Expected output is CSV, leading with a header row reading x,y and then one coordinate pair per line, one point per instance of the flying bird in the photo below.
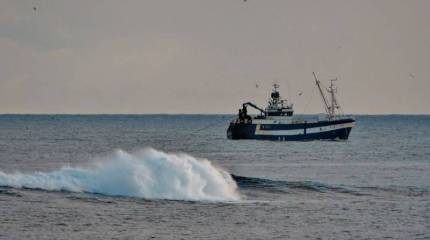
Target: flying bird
x,y
34,8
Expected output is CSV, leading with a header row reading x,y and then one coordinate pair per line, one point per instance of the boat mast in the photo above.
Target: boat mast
x,y
332,90
326,105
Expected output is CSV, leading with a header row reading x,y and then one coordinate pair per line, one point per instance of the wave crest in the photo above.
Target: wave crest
x,y
147,174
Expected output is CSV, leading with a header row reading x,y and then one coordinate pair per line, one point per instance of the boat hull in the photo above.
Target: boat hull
x,y
322,130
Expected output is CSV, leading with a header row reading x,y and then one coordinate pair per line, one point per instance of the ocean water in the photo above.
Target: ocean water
x,y
178,177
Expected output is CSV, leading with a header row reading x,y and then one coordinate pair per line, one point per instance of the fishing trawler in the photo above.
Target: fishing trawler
x,y
276,121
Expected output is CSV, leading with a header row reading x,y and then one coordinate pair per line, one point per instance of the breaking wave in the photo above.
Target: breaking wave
x,y
147,174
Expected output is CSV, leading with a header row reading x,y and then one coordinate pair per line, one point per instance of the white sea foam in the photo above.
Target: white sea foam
x,y
148,174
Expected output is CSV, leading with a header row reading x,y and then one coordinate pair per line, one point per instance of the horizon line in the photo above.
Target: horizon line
x,y
92,114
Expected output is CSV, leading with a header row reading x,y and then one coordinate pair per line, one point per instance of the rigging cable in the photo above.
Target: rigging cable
x,y
191,134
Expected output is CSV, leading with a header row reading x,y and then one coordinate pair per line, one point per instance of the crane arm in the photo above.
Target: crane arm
x,y
326,105
254,106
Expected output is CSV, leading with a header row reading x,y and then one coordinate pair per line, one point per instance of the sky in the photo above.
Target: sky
x,y
208,56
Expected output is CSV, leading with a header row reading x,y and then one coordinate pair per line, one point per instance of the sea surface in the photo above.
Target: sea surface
x,y
178,177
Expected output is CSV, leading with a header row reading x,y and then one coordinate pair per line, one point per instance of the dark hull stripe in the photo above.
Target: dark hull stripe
x,y
276,126
248,131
